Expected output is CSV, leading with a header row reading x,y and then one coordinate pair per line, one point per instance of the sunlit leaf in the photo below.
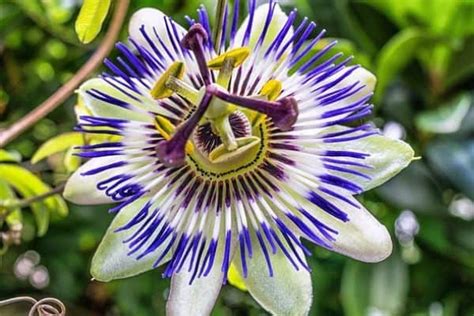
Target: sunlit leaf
x,y
28,185
90,19
58,144
9,156
71,161
446,119
7,194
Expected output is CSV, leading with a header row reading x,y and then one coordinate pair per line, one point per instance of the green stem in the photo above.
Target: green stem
x,y
3,250
10,205
224,129
220,11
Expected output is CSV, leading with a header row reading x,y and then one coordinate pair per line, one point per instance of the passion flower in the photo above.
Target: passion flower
x,y
226,160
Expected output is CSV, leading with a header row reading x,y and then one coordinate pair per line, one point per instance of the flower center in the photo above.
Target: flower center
x,y
207,138
223,125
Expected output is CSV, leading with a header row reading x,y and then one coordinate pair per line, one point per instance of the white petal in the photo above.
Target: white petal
x,y
151,19
111,261
83,189
137,111
362,237
364,77
276,24
364,80
287,292
387,158
199,297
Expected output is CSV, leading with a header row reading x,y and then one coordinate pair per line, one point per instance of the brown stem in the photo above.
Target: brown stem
x,y
26,202
68,88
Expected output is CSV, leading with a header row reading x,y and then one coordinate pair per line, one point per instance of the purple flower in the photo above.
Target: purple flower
x,y
225,161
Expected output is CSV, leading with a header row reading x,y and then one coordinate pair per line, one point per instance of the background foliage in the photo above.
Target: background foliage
x,y
422,53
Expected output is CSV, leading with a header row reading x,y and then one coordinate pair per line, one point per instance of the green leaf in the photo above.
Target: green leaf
x,y
90,19
7,194
382,286
389,286
446,119
395,55
461,65
9,156
28,185
355,298
354,27
414,189
71,161
58,144
455,161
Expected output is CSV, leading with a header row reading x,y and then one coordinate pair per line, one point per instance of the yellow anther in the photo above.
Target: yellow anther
x,y
161,90
272,89
237,56
166,128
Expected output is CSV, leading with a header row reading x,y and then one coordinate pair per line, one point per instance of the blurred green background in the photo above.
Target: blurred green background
x,y
422,52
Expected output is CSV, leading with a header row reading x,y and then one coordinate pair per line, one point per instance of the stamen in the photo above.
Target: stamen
x,y
237,55
272,89
283,112
226,63
183,89
194,40
172,152
160,90
166,128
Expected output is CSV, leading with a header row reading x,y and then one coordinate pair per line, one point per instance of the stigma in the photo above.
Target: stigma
x,y
220,119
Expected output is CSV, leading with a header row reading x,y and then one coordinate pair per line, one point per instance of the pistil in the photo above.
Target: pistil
x,y
283,112
224,130
226,63
172,153
194,40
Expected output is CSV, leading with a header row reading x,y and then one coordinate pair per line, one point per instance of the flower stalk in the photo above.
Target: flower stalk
x,y
68,88
220,15
13,204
